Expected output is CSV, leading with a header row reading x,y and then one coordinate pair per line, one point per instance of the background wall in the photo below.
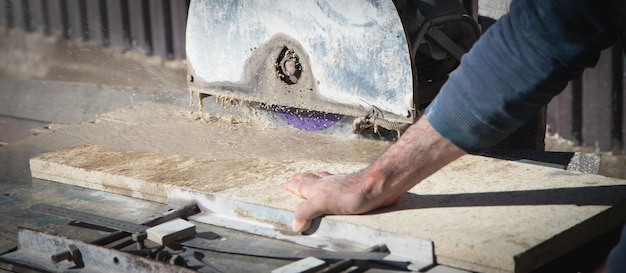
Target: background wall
x,y
152,26
590,111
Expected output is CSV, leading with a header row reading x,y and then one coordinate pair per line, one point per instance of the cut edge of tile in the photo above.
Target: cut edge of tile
x,y
60,173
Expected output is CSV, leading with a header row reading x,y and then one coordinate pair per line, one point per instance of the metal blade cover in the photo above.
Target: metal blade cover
x,y
322,55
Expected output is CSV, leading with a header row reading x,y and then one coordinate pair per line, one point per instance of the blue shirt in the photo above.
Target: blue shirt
x,y
527,57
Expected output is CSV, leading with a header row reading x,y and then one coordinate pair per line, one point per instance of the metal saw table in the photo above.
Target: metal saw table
x,y
482,208
20,191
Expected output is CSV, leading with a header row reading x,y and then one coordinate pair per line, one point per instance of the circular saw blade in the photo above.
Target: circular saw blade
x,y
306,119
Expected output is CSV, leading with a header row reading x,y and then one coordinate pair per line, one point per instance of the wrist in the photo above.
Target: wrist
x,y
380,183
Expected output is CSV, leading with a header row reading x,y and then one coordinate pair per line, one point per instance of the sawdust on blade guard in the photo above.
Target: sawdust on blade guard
x,y
306,119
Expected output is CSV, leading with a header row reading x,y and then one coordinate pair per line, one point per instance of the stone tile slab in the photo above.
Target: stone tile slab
x,y
482,214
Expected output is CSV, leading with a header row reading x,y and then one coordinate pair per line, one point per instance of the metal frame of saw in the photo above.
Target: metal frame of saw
x,y
328,56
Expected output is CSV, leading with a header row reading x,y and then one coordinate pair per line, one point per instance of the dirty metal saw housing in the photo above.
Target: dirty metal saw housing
x,y
330,56
321,56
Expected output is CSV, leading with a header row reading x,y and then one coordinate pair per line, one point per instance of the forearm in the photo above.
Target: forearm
x,y
418,153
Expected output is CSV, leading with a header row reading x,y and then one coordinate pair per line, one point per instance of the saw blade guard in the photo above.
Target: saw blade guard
x,y
342,57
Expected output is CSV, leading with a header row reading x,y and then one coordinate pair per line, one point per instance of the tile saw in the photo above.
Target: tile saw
x,y
429,60
315,64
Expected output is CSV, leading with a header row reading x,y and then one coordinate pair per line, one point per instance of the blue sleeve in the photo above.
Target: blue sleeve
x,y
616,262
516,67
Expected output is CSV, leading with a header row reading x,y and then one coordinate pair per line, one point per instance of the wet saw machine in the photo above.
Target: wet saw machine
x,y
339,67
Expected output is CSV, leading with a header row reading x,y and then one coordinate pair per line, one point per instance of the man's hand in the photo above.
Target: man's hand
x,y
417,154
326,193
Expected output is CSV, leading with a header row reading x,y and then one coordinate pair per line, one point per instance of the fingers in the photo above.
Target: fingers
x,y
322,174
303,185
315,175
299,184
304,214
300,225
295,187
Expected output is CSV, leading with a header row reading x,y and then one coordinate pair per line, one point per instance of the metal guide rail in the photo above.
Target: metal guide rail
x,y
126,249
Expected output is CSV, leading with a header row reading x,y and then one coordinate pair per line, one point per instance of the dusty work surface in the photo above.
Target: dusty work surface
x,y
482,214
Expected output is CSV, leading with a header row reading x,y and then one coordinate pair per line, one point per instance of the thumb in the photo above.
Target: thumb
x,y
304,214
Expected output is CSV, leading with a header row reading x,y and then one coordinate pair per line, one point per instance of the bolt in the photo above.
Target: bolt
x,y
72,255
290,67
61,256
